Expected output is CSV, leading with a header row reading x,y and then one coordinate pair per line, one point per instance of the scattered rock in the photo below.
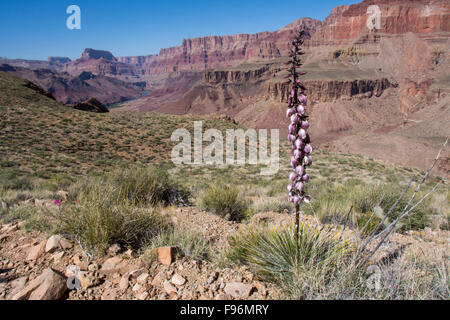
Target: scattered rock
x,y
17,285
178,280
143,296
114,250
72,270
238,290
169,288
50,285
137,287
87,279
93,267
143,278
223,297
136,273
12,228
53,243
36,252
113,265
65,244
109,294
159,279
166,255
124,282
58,256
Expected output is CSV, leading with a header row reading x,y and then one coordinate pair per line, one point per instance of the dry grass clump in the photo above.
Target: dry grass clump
x,y
224,201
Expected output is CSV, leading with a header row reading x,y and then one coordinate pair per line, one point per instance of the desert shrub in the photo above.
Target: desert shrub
x,y
97,220
139,186
276,255
147,186
410,278
224,201
279,206
332,203
366,199
32,218
192,243
15,180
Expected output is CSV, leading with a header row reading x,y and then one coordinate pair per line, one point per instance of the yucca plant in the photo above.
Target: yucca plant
x,y
283,254
298,136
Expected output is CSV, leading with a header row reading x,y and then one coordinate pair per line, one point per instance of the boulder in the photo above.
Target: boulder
x,y
53,243
167,255
36,252
50,285
238,290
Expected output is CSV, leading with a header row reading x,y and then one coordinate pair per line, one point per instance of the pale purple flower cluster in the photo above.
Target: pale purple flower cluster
x,y
298,129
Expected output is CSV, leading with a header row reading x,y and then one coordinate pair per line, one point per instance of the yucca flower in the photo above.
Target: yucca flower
x,y
298,129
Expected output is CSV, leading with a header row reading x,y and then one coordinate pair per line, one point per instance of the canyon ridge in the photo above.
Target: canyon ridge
x,y
382,93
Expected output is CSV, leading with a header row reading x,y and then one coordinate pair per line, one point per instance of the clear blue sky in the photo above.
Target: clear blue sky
x,y
36,29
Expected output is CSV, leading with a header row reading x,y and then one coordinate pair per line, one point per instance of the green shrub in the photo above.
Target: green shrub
x,y
139,186
97,220
224,201
193,244
149,186
331,204
365,200
118,208
276,255
279,206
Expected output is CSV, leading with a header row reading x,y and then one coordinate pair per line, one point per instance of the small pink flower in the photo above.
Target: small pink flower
x,y
294,162
289,113
302,133
301,110
308,149
303,100
300,170
307,160
57,202
298,154
300,186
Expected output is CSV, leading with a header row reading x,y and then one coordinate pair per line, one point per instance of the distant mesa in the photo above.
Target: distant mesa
x,y
91,54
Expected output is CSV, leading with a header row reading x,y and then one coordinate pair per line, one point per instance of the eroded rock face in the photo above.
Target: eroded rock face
x,y
331,90
348,24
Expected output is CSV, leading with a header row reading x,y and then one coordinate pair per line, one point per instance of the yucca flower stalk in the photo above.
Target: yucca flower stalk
x,y
298,129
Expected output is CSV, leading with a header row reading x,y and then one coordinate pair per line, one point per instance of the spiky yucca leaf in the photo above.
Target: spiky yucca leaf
x,y
275,254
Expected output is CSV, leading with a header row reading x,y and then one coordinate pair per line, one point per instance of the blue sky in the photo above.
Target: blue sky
x,y
36,29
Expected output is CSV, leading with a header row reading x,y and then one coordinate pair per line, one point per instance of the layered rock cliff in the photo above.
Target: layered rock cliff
x,y
332,90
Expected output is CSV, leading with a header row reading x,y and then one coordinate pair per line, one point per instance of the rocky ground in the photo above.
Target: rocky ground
x,y
33,266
